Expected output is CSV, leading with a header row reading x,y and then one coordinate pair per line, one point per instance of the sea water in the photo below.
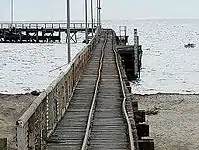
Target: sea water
x,y
167,66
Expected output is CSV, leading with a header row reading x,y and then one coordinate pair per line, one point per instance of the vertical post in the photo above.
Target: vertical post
x,y
21,136
12,12
59,33
99,13
92,21
86,21
125,31
136,69
3,143
68,30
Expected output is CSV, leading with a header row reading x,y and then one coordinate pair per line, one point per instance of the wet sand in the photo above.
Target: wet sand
x,y
176,124
11,108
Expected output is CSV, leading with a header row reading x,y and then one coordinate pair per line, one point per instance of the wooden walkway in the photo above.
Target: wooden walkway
x,y
88,107
108,130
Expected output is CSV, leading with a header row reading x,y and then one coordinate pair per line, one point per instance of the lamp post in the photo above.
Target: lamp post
x,y
92,16
12,12
99,13
86,21
68,30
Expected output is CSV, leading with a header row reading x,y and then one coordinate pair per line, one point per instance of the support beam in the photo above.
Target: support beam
x,y
73,37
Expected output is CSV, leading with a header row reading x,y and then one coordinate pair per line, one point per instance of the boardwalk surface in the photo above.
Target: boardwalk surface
x,y
109,127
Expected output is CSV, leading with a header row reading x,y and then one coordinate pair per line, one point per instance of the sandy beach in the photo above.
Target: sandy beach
x,y
11,108
176,124
174,127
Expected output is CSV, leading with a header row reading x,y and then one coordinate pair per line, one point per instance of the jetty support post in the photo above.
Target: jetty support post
x,y
135,63
3,144
144,140
137,55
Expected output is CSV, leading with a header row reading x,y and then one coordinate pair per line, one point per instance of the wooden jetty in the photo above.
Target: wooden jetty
x,y
87,107
131,55
40,32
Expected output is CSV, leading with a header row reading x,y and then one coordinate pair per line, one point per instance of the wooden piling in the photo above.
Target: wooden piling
x,y
135,56
43,34
59,33
3,144
37,36
146,144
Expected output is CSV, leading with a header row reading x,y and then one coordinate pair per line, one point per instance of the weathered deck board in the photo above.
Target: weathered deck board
x,y
109,127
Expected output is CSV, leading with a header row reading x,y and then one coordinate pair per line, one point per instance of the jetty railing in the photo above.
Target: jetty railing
x,y
45,25
40,119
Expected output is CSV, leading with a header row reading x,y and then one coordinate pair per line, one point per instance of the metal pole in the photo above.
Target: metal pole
x,y
12,12
100,14
68,30
92,16
86,21
97,13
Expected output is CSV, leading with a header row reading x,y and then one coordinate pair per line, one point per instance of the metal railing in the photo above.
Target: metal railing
x,y
41,118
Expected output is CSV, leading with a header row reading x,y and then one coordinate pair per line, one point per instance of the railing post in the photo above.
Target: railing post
x,y
31,131
21,136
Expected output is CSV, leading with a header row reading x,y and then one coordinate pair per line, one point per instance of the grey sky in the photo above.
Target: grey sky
x,y
44,10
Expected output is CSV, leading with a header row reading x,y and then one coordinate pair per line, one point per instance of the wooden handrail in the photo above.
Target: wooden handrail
x,y
40,119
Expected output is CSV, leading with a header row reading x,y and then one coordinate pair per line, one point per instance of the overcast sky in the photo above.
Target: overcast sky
x,y
45,10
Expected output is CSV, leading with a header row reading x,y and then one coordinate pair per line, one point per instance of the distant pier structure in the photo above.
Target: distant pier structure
x,y
131,55
41,32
